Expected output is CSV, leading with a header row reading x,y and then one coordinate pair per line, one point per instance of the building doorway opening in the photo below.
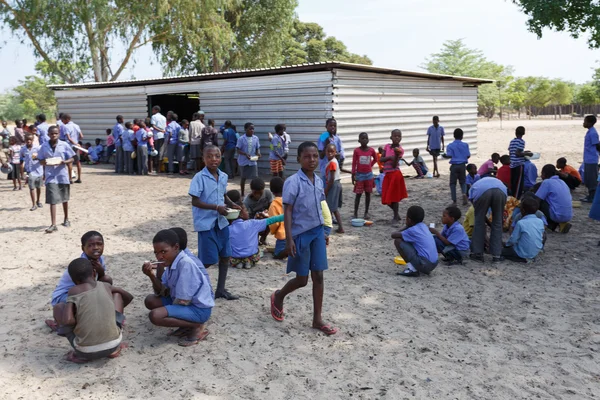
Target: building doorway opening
x,y
182,104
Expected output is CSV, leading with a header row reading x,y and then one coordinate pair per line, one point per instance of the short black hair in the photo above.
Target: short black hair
x,y
304,146
505,159
108,130
561,161
436,117
257,184
234,196
549,170
248,125
591,118
276,185
157,108
119,117
184,121
98,140
520,131
195,116
80,269
66,116
128,125
53,127
182,235
330,120
417,150
42,117
90,234
174,117
278,128
454,212
458,134
210,147
470,166
495,155
166,236
227,123
530,205
416,214
211,122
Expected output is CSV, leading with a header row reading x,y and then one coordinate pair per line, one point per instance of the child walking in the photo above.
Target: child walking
x,y
363,159
459,154
435,143
14,153
394,187
591,147
303,221
453,242
333,187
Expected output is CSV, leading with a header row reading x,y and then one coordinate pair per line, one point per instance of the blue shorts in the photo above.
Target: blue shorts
x,y
279,247
189,313
213,244
311,252
327,230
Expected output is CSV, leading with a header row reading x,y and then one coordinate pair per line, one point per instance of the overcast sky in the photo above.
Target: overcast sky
x,y
400,34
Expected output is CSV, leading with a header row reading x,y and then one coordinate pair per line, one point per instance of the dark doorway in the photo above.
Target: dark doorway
x,y
182,104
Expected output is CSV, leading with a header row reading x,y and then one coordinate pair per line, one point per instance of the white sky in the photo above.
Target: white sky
x,y
399,34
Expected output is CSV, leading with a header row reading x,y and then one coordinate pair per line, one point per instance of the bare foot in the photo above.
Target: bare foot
x,y
366,216
72,358
179,332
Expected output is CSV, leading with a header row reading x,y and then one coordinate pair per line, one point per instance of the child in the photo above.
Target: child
x,y
416,244
517,213
57,181
183,240
472,175
110,145
504,171
333,187
257,203
469,221
91,157
182,296
379,178
568,174
34,170
329,136
526,240
453,242
363,159
305,244
98,150
229,144
183,150
517,156
418,164
141,136
556,202
208,192
172,140
92,316
276,208
435,143
393,188
71,134
487,193
591,147
278,151
530,174
128,149
459,154
14,153
248,147
488,168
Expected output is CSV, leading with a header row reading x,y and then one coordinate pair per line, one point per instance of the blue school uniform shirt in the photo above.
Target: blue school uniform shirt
x,y
321,146
33,167
43,132
530,174
195,259
459,151
126,139
435,137
558,195
65,283
56,173
305,199
230,138
117,133
205,187
140,135
243,236
590,153
173,128
278,147
472,179
516,144
527,237
70,130
186,281
457,236
249,145
421,238
483,185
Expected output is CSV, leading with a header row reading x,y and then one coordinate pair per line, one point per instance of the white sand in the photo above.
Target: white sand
x,y
478,331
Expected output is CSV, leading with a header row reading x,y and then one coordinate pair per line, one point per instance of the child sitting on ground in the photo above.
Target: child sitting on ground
x,y
92,316
488,168
472,176
363,159
257,204
504,172
530,175
527,238
453,243
568,174
516,214
416,244
418,164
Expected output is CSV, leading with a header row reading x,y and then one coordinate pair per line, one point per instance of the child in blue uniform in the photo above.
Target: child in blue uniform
x,y
453,242
416,245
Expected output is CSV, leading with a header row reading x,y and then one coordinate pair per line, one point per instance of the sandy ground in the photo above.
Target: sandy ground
x,y
478,331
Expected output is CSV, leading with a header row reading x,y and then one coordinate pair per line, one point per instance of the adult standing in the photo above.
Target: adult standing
x,y
435,143
329,136
517,154
71,133
42,128
117,133
158,124
591,147
487,193
196,127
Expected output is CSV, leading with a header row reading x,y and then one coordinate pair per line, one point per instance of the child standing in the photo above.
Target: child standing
x,y
126,140
329,136
591,147
248,148
453,242
393,188
459,154
504,171
141,136
333,187
379,178
305,244
34,169
278,151
517,153
527,238
229,143
363,159
435,143
172,140
418,164
183,150
472,176
488,168
14,153
416,245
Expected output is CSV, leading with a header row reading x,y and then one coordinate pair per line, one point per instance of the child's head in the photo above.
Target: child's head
x,y
472,169
279,129
120,119
458,134
41,117
331,126
308,156
414,215
589,121
80,270
98,141
92,244
234,196
12,140
505,159
65,118
128,125
495,158
396,136
380,149
211,122
29,140
53,132
141,124
19,123
32,129
212,157
249,128
330,151
363,139
182,235
185,124
415,153
436,120
529,205
451,215
257,187
227,124
548,171
4,124
108,131
174,117
166,246
520,131
88,145
561,163
276,186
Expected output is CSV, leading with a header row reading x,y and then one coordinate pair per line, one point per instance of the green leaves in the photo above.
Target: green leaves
x,y
28,99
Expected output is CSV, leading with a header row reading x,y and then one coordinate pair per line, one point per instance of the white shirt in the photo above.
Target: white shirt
x,y
159,121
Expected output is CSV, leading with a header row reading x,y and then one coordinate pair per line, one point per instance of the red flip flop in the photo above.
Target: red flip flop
x,y
327,329
276,313
52,324
117,352
185,342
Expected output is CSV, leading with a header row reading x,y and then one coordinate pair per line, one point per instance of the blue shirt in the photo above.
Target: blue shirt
x,y
43,132
556,192
483,185
249,145
472,179
459,151
126,138
321,146
243,236
205,187
516,144
435,137
56,173
229,138
530,174
71,130
186,281
117,132
140,135
173,129
195,259
65,283
305,199
421,238
33,167
457,236
527,237
278,147
590,152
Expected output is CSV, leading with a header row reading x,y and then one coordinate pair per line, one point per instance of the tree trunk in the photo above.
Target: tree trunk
x,y
555,112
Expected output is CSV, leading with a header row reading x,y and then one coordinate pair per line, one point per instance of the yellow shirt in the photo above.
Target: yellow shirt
x,y
469,221
328,221
276,208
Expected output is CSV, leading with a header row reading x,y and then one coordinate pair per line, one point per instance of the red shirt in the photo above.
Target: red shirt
x,y
389,151
363,160
504,174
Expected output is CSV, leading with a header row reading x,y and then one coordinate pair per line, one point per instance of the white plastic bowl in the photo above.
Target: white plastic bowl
x,y
358,222
232,214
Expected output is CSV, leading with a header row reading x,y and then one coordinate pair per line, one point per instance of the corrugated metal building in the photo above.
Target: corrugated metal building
x,y
360,97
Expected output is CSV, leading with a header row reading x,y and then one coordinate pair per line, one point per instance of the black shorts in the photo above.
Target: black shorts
x,y
435,152
57,193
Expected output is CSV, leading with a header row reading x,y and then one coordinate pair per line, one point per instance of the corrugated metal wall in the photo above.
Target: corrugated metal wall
x,y
378,103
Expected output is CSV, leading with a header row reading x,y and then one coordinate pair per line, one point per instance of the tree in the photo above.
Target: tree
x,y
561,94
576,17
586,95
596,80
28,99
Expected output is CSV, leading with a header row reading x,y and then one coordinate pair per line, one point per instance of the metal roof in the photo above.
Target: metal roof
x,y
308,67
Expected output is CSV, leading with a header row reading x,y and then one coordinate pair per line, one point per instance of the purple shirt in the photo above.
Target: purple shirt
x,y
71,130
65,283
117,132
483,185
421,238
173,129
33,167
556,192
435,137
243,236
470,180
305,198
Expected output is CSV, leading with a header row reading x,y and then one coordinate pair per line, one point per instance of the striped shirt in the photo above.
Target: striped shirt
x,y
516,144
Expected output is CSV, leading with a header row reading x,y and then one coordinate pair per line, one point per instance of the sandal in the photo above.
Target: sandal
x,y
186,342
276,313
327,329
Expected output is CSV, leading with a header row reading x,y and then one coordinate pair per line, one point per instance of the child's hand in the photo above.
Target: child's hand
x,y
147,269
433,230
353,179
97,267
222,210
326,240
290,247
